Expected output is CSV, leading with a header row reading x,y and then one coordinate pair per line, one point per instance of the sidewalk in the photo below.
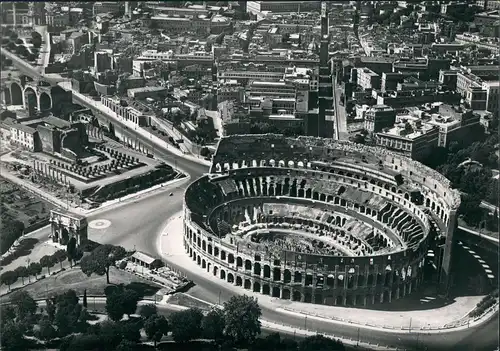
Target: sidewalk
x,y
170,244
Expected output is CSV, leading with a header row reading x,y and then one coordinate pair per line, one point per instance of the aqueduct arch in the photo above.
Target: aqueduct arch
x,y
45,102
16,94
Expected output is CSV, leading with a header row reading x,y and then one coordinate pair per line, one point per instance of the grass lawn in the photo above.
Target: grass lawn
x,y
182,299
95,285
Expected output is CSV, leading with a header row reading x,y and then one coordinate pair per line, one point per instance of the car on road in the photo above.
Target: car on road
x,y
171,194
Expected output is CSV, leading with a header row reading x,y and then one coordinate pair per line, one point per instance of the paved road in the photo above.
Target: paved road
x,y
340,115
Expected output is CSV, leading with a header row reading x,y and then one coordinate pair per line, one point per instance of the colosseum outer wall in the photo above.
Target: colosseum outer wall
x,y
314,278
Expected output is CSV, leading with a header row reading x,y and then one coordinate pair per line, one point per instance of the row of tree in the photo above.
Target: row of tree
x,y
98,262
33,269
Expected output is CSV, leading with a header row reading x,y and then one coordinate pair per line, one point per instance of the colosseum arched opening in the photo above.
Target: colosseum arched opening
x,y
346,230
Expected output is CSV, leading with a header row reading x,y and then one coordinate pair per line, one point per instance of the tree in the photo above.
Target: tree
x,y
24,304
68,312
320,343
60,256
155,327
99,260
121,301
130,298
8,278
50,307
213,325
8,313
36,39
85,342
126,345
270,342
186,325
11,231
35,269
12,337
22,272
204,152
47,331
47,261
148,310
131,330
114,307
242,314
111,332
85,298
111,129
71,250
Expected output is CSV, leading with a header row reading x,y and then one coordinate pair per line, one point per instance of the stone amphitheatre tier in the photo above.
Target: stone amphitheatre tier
x,y
317,221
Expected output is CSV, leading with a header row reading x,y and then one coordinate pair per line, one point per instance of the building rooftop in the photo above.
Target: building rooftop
x,y
145,89
23,128
409,131
57,122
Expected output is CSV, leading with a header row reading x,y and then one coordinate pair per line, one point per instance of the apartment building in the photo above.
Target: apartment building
x,y
367,79
280,89
379,117
132,111
256,7
390,80
195,23
241,75
479,94
413,139
456,124
415,97
230,92
24,136
489,4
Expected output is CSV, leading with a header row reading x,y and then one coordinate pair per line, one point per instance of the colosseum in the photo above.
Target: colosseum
x,y
319,221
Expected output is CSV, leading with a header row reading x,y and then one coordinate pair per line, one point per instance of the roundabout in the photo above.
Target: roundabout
x,y
99,224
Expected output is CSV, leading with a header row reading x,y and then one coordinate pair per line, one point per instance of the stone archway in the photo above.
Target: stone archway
x,y
63,240
30,98
45,102
16,94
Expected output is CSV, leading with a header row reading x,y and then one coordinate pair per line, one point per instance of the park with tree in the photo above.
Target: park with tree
x,y
470,168
64,322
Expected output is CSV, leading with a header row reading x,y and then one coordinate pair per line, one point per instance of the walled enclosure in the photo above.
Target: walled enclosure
x,y
317,220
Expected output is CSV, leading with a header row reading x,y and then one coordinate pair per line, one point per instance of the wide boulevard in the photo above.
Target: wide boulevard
x,y
137,224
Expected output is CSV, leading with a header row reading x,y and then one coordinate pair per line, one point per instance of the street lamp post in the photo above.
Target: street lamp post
x,y
357,343
305,323
27,264
219,296
409,329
